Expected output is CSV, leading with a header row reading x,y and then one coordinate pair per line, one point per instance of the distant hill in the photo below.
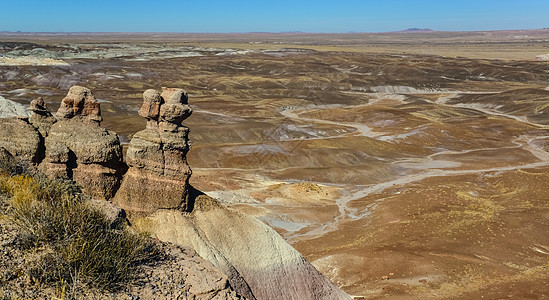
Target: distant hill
x,y
417,30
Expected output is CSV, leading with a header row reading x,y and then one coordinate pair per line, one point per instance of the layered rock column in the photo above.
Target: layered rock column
x,y
158,174
78,148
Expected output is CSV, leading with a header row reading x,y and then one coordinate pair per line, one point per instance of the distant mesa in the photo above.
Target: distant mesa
x,y
414,29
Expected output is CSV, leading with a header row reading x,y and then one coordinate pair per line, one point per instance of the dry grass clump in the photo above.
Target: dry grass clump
x,y
72,244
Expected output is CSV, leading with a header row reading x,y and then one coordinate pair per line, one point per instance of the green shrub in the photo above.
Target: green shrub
x,y
78,244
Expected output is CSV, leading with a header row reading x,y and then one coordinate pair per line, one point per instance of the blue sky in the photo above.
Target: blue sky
x,y
270,16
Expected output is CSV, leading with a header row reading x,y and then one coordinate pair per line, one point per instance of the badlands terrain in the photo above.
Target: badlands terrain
x,y
401,165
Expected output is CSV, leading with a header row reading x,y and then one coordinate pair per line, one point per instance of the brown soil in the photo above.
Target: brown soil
x,y
435,186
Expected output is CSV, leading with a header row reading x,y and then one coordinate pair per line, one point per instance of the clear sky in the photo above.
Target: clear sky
x,y
270,16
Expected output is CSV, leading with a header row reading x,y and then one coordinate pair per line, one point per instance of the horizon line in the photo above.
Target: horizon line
x,y
408,30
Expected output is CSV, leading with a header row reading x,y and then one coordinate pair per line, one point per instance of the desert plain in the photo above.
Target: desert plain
x,y
407,165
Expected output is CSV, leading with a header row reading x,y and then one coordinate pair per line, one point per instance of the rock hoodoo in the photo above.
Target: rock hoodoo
x,y
42,118
77,147
79,102
258,263
158,173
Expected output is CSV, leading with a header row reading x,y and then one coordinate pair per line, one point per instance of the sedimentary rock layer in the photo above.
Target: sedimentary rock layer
x,y
260,264
77,147
21,139
158,172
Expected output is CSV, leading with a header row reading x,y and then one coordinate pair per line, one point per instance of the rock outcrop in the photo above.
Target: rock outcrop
x,y
79,102
158,174
77,147
10,109
183,274
21,139
176,274
259,263
17,136
42,119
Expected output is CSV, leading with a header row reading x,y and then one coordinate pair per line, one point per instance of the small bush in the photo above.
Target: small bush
x,y
12,166
77,243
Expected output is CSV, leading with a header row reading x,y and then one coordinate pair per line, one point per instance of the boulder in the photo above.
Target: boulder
x,y
38,105
151,105
114,215
158,173
79,102
174,95
42,118
21,139
176,108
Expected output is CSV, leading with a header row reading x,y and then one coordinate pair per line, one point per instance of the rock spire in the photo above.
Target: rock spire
x,y
158,174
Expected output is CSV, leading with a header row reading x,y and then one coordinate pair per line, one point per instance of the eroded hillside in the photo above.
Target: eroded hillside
x,y
394,174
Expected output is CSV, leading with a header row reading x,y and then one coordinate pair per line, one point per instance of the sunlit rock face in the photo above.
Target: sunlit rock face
x,y
77,147
21,139
79,102
41,118
260,264
18,137
158,174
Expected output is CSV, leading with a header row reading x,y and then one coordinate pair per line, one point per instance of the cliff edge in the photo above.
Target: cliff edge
x,y
153,184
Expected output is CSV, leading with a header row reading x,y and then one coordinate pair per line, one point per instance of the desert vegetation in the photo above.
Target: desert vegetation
x,y
66,243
